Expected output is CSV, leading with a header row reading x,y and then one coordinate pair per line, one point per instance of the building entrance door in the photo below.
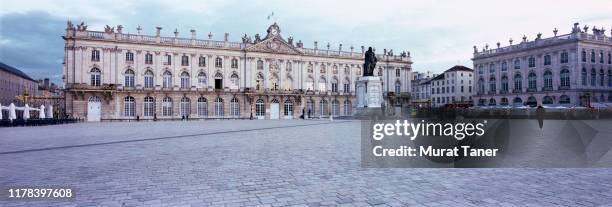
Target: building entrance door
x,y
94,109
274,111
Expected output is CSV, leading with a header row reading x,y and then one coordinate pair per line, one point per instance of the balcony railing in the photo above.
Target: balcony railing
x,y
564,87
134,38
532,90
547,88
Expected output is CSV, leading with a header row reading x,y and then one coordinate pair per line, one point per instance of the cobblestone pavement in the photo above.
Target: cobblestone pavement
x,y
260,163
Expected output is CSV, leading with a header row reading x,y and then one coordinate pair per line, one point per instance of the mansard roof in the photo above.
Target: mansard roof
x,y
14,71
459,68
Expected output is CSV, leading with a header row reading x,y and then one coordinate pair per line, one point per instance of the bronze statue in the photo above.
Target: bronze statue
x,y
370,63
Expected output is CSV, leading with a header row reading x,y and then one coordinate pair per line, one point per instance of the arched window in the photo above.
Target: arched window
x,y
492,84
548,77
491,68
334,85
492,102
167,106
517,101
260,65
323,108
288,83
259,82
260,108
583,76
517,64
532,81
592,56
531,101
234,63
219,110
218,62
347,85
185,106
202,61
148,58
185,80
202,107
235,107
348,108
504,66
167,79
504,83
95,55
274,82
234,81
148,79
481,86
310,110
95,76
129,78
335,107
481,102
202,80
518,82
288,108
547,100
129,56
564,99
129,106
218,81
149,106
593,77
309,84
185,60
565,78
583,56
503,101
322,84
322,68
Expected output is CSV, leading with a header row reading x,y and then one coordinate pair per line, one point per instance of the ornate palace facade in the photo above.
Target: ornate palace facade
x,y
574,69
112,75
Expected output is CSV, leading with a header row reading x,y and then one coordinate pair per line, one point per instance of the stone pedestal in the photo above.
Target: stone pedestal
x,y
369,97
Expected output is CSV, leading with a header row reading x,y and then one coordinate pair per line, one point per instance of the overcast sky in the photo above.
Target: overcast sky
x,y
439,34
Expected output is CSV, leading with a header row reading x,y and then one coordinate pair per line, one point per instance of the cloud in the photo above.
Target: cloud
x,y
32,42
438,33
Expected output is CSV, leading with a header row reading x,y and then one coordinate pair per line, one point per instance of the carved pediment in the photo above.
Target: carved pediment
x,y
274,45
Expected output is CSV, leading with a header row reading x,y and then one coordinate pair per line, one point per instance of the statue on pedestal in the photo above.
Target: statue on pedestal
x,y
370,63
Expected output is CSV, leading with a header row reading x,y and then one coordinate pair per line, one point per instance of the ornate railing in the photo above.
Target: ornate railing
x,y
544,42
134,38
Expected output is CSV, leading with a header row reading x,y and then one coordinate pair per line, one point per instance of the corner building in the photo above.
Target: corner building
x,y
569,70
110,75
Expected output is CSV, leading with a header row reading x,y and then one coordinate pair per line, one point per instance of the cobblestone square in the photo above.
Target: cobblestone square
x,y
260,163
